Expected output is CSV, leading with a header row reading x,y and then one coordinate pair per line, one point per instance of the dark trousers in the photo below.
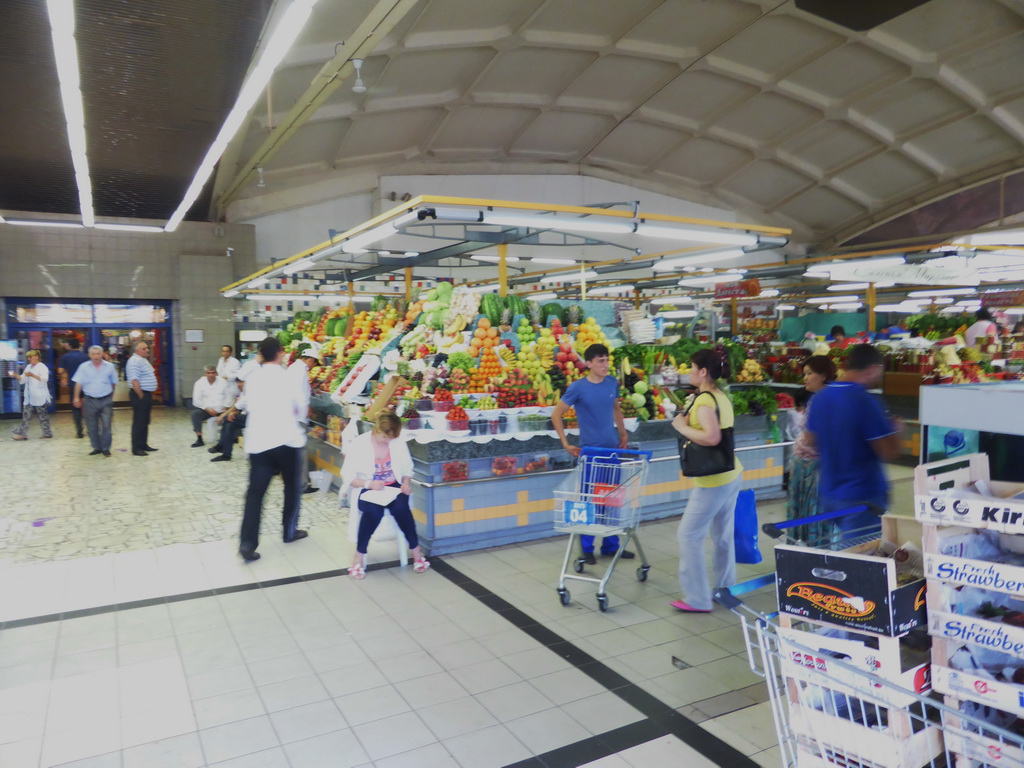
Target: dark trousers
x,y
370,516
282,460
76,414
229,432
141,407
98,413
198,417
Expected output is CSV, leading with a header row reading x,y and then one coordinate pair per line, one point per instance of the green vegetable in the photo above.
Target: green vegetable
x,y
461,360
638,400
553,310
640,388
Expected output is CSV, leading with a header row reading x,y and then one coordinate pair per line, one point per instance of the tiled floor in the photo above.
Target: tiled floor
x,y
473,664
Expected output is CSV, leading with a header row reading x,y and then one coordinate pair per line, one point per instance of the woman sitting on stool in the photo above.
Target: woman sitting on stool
x,y
375,461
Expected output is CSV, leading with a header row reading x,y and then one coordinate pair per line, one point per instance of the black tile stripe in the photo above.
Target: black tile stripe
x,y
149,601
662,720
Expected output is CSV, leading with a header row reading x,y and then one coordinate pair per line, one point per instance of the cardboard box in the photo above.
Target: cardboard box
x,y
380,402
813,657
993,693
936,500
849,588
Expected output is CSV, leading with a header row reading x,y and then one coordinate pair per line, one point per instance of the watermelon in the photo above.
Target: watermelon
x,y
553,310
491,307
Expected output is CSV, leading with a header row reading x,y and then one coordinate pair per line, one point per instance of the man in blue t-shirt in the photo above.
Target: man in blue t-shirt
x,y
853,437
596,400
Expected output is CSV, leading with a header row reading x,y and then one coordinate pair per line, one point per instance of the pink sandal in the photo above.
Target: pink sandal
x,y
679,605
420,565
357,572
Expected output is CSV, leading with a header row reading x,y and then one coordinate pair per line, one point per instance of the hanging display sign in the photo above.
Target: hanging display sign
x,y
738,289
1003,299
757,309
913,274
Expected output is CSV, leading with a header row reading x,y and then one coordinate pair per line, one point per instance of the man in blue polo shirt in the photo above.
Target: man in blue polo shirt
x,y
142,379
94,394
596,400
854,436
69,363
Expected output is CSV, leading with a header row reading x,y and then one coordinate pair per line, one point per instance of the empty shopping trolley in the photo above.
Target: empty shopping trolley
x,y
602,498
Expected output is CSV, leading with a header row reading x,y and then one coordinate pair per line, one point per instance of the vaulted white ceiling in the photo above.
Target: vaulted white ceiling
x,y
753,105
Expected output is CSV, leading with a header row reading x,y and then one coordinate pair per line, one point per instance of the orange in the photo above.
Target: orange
x,y
484,323
492,332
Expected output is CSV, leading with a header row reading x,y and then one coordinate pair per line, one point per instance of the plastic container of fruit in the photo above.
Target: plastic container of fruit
x,y
458,425
416,423
424,404
452,471
444,406
502,466
536,463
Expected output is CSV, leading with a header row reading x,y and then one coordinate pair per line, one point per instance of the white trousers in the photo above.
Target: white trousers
x,y
710,510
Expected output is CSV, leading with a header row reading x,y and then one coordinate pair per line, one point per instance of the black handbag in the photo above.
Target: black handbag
x,y
703,460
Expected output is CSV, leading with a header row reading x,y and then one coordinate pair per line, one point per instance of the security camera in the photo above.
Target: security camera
x,y
230,251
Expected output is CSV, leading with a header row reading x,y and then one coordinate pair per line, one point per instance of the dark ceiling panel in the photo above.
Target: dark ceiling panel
x,y
35,163
158,79
858,15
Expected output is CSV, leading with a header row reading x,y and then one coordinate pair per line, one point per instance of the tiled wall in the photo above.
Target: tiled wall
x,y
187,266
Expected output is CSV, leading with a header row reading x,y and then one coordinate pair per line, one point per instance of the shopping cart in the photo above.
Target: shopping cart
x,y
843,699
832,711
603,500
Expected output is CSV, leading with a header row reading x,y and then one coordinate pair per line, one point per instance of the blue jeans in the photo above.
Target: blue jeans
x,y
709,510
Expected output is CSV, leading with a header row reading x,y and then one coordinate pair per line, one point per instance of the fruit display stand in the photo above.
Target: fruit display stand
x,y
973,542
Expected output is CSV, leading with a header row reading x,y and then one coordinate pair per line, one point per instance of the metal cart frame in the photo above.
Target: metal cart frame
x,y
605,501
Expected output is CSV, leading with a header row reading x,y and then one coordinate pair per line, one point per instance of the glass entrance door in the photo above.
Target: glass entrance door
x,y
60,387
118,344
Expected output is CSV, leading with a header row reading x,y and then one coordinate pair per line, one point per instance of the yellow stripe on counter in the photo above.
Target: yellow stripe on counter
x,y
521,509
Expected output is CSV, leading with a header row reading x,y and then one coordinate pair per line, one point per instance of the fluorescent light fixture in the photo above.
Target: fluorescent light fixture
x,y
904,308
721,277
830,299
607,225
847,287
288,296
556,262
884,285
1007,237
44,223
671,300
884,261
668,265
674,313
542,296
721,236
817,273
363,298
785,307
357,243
298,266
605,290
946,292
482,288
3,220
411,254
768,294
496,259
130,227
846,305
569,277
65,50
257,282
232,292
278,44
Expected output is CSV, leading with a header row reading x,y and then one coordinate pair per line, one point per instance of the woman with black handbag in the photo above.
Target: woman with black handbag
x,y
706,451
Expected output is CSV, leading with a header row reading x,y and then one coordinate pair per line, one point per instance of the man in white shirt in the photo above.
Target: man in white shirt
x,y
209,399
227,370
274,438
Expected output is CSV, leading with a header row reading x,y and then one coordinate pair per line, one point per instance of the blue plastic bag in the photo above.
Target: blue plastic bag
x,y
745,533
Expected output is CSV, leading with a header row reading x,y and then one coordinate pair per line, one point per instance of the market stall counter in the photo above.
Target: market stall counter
x,y
471,492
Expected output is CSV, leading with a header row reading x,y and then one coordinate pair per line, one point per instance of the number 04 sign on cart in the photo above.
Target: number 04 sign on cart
x,y
580,513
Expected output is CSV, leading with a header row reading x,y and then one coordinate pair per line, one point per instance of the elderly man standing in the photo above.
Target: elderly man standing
x,y
142,379
95,381
209,399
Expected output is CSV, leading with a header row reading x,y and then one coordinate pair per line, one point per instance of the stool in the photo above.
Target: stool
x,y
387,529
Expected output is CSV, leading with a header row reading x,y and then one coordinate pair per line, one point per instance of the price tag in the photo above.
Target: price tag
x,y
580,513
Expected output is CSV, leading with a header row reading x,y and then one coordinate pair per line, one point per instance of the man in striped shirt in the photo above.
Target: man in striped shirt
x,y
142,379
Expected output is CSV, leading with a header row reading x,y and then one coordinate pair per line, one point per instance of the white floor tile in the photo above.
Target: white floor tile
x,y
455,718
544,731
488,748
292,693
144,727
338,749
514,701
174,752
228,708
430,756
236,739
371,705
303,722
393,735
270,758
